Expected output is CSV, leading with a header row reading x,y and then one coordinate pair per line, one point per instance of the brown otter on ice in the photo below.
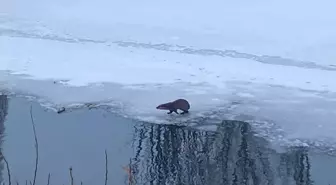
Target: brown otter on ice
x,y
181,104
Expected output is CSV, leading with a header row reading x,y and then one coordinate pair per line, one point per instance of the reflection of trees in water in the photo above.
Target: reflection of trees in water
x,y
169,154
3,114
295,167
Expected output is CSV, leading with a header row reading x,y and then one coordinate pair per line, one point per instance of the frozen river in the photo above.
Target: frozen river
x,y
267,65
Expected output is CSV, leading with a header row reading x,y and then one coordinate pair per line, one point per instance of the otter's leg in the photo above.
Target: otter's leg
x,y
176,111
170,111
185,111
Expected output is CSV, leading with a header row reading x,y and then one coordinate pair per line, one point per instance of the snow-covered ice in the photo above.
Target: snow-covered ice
x,y
271,63
303,30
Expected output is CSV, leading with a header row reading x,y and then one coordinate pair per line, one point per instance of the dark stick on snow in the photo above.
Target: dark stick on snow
x,y
36,144
106,169
61,110
8,170
48,179
71,177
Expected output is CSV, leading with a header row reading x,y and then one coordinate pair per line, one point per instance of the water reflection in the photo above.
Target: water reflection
x,y
168,154
162,154
3,114
295,166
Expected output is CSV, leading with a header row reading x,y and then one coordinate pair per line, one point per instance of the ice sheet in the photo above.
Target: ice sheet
x,y
245,60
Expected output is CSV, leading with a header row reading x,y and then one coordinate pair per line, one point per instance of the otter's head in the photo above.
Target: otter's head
x,y
162,107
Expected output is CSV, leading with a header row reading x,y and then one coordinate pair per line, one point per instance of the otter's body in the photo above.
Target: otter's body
x,y
181,104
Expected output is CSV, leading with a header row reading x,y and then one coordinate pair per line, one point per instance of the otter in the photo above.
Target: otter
x,y
181,104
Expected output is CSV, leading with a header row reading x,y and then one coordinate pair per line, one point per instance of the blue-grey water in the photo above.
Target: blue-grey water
x,y
152,153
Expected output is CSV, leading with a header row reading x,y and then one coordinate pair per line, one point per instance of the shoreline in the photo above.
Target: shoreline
x,y
314,145
280,115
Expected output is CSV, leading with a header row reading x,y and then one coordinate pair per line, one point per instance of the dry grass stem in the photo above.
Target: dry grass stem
x,y
48,179
130,178
36,144
71,177
106,168
8,170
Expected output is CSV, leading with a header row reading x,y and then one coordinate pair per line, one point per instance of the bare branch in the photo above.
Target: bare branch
x,y
48,179
106,168
36,144
71,177
8,170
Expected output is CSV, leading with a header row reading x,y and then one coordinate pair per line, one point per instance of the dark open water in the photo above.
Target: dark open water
x,y
156,154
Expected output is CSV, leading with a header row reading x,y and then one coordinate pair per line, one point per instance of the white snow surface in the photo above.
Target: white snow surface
x,y
271,63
